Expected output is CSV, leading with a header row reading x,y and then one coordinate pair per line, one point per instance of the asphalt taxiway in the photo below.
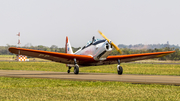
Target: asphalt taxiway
x,y
140,79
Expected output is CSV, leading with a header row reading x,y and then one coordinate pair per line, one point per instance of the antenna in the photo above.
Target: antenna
x,y
18,39
18,45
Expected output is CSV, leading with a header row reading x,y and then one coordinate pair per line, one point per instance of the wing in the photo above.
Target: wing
x,y
85,60
135,57
54,56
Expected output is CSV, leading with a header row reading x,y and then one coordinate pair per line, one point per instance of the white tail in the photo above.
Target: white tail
x,y
68,48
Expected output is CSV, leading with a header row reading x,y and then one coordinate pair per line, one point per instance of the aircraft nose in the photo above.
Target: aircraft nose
x,y
107,46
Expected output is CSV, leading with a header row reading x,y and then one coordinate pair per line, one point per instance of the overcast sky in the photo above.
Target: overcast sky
x,y
48,22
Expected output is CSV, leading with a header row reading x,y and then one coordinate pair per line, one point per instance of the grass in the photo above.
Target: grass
x,y
51,89
129,68
55,89
13,58
157,61
7,56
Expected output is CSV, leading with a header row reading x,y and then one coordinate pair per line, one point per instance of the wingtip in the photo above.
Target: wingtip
x,y
171,51
11,48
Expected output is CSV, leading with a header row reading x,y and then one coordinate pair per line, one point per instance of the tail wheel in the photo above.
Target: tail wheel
x,y
76,69
119,70
68,71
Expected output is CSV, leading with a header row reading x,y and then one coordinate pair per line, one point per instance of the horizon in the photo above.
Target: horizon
x,y
28,45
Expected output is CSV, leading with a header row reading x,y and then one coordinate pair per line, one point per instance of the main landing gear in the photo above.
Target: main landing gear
x,y
76,68
119,68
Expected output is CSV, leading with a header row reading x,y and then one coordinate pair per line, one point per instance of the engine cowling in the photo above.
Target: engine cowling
x,y
103,52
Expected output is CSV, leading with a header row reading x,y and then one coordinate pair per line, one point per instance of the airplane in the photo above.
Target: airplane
x,y
96,52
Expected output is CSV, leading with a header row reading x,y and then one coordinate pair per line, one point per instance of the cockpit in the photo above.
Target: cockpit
x,y
90,42
94,42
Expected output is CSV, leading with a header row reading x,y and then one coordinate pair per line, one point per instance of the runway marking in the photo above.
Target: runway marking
x,y
142,79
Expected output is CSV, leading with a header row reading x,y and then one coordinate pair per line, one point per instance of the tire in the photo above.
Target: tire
x,y
68,71
120,70
76,69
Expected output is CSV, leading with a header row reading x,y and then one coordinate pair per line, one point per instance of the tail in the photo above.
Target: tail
x,y
68,48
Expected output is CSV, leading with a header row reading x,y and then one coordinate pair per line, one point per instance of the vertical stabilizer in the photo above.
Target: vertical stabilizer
x,y
68,48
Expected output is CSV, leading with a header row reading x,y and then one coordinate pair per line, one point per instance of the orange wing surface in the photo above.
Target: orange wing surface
x,y
84,60
54,56
134,57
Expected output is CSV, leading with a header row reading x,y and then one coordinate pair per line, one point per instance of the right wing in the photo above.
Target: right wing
x,y
54,56
135,57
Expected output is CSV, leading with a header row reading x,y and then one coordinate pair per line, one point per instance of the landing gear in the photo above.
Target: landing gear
x,y
68,71
119,68
76,69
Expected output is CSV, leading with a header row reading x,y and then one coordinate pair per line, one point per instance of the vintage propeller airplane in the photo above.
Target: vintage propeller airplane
x,y
94,53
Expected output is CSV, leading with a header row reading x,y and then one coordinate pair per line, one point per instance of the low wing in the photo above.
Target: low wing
x,y
85,60
54,56
135,57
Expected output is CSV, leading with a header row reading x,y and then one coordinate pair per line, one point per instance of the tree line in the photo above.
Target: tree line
x,y
54,48
149,46
173,56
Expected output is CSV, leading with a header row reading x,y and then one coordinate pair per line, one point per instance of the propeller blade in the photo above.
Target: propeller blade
x,y
110,42
116,47
104,36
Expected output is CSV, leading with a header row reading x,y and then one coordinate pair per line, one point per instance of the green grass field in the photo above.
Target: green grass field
x,y
7,56
129,68
53,89
13,58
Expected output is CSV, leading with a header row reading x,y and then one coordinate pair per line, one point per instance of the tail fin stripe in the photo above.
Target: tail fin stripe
x,y
68,47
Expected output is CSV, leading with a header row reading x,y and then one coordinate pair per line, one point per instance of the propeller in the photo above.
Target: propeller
x,y
110,42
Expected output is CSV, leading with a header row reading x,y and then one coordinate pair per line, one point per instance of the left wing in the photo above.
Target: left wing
x,y
54,56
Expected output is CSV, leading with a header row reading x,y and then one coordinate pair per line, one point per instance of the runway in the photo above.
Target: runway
x,y
140,79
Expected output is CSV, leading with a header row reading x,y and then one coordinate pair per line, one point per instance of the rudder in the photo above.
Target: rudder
x,y
68,48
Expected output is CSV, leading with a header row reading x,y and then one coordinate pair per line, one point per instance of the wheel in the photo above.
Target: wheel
x,y
76,69
68,71
119,70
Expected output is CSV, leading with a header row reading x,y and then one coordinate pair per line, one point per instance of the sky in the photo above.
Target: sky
x,y
48,22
